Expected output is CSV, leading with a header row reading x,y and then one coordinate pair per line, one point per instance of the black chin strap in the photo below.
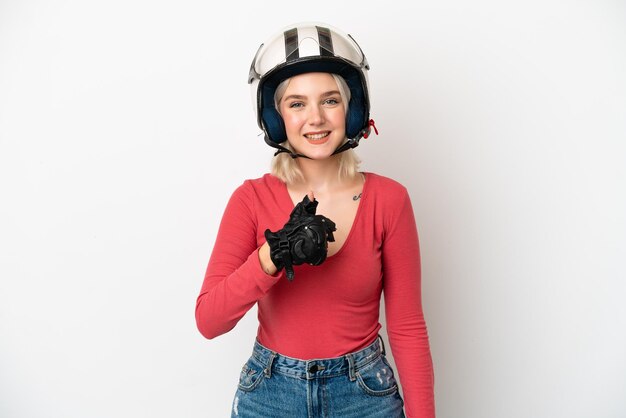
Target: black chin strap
x,y
281,149
349,144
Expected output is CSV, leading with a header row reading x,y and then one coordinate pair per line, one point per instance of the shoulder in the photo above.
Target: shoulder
x,y
391,204
387,189
255,189
265,183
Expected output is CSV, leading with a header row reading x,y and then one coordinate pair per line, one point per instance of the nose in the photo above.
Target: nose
x,y
316,115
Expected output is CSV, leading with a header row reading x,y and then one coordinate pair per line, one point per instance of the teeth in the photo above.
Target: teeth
x,y
317,136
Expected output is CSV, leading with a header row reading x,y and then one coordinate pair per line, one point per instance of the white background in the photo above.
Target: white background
x,y
126,125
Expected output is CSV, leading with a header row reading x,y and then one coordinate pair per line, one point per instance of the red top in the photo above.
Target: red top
x,y
331,309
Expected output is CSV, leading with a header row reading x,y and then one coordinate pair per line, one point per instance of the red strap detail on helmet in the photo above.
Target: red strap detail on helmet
x,y
373,125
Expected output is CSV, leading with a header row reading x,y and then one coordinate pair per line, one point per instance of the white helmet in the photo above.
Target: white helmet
x,y
303,48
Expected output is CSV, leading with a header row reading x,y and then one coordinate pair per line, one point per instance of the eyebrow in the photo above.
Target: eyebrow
x,y
300,97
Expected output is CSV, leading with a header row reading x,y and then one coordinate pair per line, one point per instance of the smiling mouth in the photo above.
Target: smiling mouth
x,y
317,136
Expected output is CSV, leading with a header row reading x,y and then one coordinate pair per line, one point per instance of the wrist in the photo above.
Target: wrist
x,y
266,261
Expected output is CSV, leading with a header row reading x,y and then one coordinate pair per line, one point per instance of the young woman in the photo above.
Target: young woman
x,y
314,243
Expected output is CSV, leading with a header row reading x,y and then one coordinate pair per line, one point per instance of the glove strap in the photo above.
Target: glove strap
x,y
283,247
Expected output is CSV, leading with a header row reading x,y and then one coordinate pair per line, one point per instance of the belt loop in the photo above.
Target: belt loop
x,y
382,344
268,369
351,367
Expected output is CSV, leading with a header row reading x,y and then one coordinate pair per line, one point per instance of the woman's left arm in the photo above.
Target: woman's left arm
x,y
406,326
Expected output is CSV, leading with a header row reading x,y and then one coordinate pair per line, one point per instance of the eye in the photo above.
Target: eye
x,y
295,105
332,101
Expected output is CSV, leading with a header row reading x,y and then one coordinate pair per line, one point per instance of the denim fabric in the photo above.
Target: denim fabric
x,y
359,384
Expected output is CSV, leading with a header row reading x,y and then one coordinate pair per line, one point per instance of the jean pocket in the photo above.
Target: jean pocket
x,y
251,376
377,378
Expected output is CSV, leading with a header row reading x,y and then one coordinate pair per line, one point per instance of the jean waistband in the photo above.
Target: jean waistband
x,y
318,368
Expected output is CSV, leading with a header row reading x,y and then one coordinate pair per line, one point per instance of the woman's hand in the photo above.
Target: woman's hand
x,y
303,239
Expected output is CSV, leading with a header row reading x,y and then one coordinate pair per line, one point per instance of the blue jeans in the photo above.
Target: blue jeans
x,y
359,384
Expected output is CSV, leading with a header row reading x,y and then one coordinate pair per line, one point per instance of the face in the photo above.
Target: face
x,y
314,115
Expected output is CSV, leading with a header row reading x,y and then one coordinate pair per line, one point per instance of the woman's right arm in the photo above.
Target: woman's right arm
x,y
238,273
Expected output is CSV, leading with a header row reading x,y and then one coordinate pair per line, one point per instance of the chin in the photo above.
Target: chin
x,y
319,157
318,152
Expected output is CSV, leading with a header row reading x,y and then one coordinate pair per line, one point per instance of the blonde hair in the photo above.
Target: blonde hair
x,y
286,168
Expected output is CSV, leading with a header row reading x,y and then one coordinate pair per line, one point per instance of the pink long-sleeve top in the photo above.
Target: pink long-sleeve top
x,y
331,309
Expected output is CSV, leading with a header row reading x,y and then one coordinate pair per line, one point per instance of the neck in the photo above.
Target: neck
x,y
320,175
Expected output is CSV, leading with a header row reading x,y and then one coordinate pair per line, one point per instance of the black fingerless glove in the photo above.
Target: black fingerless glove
x,y
303,239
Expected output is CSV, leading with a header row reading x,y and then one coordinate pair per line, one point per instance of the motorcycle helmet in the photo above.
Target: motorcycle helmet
x,y
302,48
